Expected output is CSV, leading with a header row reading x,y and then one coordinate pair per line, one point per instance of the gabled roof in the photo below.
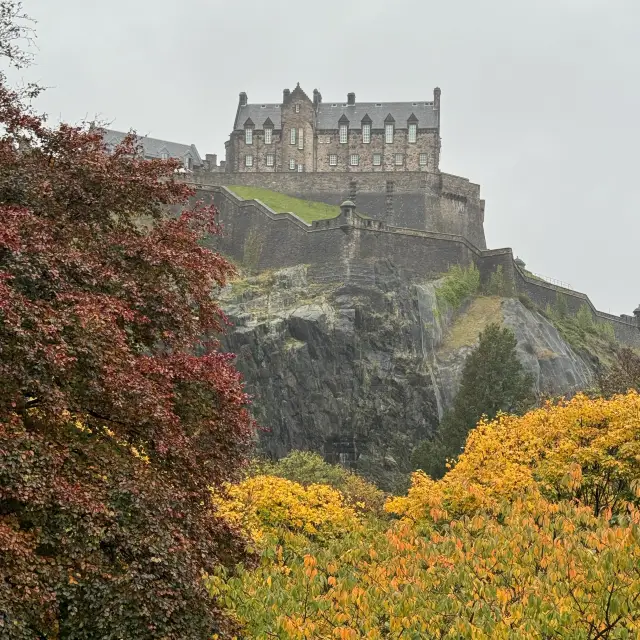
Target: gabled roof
x,y
343,120
268,122
366,119
328,114
154,147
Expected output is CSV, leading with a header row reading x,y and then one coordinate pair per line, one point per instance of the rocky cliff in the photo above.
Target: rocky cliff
x,y
362,371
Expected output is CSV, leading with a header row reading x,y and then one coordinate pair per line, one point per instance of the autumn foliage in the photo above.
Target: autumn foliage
x,y
534,533
118,411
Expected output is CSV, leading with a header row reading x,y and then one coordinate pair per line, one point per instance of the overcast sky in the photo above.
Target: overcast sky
x,y
540,99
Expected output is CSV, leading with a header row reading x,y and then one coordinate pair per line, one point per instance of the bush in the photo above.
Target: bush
x,y
458,283
307,468
584,318
498,284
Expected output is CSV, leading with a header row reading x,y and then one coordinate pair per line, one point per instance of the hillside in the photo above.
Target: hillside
x,y
365,370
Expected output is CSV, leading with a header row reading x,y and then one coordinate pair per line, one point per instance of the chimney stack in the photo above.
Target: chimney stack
x,y
285,95
351,99
317,97
436,99
243,99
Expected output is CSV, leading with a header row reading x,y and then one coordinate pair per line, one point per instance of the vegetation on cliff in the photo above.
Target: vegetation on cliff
x,y
493,381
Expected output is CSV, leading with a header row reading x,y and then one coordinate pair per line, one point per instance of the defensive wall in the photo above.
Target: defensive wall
x,y
437,202
347,249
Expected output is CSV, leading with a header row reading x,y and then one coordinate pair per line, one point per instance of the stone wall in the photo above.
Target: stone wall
x,y
436,202
347,249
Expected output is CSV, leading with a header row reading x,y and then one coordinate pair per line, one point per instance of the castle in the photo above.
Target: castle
x,y
312,136
380,163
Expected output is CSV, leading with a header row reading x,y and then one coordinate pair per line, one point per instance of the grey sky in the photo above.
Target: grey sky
x,y
540,100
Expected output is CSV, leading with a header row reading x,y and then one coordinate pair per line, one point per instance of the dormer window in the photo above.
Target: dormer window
x,y
248,135
268,135
344,134
413,132
388,133
366,133
188,163
164,155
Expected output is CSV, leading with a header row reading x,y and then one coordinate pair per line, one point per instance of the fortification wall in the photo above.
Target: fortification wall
x,y
343,250
416,200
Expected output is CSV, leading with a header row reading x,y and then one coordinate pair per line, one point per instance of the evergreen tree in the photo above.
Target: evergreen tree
x,y
493,381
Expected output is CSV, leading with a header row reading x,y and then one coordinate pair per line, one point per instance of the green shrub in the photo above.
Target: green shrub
x,y
499,284
527,302
561,306
306,468
584,319
458,284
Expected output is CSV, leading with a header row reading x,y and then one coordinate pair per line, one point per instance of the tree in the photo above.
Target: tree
x,y
624,374
493,381
118,411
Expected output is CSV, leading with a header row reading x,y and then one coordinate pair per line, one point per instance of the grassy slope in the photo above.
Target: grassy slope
x,y
467,327
281,203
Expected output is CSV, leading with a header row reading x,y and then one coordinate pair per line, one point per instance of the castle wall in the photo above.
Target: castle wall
x,y
417,200
346,250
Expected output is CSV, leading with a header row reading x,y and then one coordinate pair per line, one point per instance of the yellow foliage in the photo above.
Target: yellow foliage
x,y
262,504
534,533
582,449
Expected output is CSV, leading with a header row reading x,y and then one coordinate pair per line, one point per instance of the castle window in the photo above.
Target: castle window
x,y
413,132
354,160
164,155
188,162
333,160
270,159
300,168
301,139
248,135
268,132
248,161
377,159
297,108
399,159
423,159
293,136
292,164
344,134
388,133
366,133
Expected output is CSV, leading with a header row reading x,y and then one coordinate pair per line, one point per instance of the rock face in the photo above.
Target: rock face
x,y
361,372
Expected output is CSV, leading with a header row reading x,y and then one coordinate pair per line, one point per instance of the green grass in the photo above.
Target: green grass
x,y
281,203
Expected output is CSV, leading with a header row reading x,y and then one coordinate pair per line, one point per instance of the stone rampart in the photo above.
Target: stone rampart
x,y
348,247
412,199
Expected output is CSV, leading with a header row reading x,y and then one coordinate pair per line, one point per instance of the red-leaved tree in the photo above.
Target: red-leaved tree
x,y
118,412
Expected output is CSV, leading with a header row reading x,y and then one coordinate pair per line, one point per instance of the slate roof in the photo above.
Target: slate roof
x,y
329,115
154,147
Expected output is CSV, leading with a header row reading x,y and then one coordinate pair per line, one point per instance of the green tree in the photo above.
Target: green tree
x,y
493,381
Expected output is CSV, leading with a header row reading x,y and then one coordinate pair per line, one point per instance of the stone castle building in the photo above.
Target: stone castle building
x,y
304,135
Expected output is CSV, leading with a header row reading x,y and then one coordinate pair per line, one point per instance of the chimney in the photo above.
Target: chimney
x,y
243,99
317,98
285,95
436,99
351,99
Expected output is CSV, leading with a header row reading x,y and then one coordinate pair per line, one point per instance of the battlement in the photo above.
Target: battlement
x,y
436,202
